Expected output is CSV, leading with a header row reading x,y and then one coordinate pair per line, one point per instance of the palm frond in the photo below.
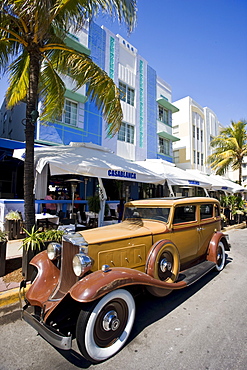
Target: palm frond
x,y
74,14
229,148
100,87
52,89
18,86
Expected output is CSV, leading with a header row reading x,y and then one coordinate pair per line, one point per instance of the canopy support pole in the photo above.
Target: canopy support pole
x,y
171,190
102,198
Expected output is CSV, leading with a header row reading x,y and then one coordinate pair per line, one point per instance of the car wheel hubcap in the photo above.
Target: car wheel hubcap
x,y
165,265
111,321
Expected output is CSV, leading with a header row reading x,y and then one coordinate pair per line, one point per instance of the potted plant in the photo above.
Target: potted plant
x,y
35,242
3,247
31,244
12,224
52,235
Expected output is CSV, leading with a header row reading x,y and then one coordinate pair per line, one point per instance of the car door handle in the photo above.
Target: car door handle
x,y
200,228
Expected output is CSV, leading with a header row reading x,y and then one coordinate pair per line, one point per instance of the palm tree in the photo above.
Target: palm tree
x,y
230,148
33,51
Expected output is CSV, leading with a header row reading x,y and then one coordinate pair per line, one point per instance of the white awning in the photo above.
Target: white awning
x,y
88,159
219,182
236,188
173,174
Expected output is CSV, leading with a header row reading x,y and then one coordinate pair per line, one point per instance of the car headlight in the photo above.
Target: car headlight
x,y
53,250
81,264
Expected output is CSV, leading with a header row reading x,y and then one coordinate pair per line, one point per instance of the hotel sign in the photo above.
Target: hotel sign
x,y
122,174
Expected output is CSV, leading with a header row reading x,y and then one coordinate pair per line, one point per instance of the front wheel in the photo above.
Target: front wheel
x,y
220,257
103,329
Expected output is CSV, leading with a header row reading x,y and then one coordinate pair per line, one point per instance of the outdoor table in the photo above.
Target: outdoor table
x,y
42,218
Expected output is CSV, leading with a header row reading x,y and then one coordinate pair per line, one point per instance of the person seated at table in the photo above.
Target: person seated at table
x,y
50,207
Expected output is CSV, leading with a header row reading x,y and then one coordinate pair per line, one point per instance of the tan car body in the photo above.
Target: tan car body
x,y
135,253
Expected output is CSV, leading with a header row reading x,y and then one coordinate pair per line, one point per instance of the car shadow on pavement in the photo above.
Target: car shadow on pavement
x,y
149,309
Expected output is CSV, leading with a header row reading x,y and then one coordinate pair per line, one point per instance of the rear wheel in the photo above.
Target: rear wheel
x,y
220,257
103,329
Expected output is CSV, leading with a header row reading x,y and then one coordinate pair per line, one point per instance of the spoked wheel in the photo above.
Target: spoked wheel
x,y
103,329
220,257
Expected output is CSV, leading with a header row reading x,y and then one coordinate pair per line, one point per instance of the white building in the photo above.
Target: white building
x,y
195,126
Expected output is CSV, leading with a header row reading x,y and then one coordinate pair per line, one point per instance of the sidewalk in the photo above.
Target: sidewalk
x,y
14,250
9,292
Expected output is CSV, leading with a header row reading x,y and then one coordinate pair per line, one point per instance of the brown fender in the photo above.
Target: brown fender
x,y
45,281
212,249
100,283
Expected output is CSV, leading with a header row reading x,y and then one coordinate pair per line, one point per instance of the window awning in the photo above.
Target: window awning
x,y
165,135
165,103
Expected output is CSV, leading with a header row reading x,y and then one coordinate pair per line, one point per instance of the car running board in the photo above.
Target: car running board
x,y
192,274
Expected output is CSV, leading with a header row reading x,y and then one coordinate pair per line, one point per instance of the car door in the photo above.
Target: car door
x,y
207,225
185,231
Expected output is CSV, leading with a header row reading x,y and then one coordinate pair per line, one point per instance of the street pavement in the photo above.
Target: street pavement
x,y
9,292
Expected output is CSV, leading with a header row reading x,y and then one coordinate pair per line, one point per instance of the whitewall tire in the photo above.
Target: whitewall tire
x,y
103,329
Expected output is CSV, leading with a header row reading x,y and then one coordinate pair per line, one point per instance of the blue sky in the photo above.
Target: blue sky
x,y
199,47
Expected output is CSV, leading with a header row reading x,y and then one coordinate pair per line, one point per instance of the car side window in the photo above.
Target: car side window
x,y
184,214
217,210
206,211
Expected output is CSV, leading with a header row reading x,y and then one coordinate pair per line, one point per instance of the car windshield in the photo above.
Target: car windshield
x,y
159,214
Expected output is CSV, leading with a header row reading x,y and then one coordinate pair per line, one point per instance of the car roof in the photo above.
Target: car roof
x,y
168,202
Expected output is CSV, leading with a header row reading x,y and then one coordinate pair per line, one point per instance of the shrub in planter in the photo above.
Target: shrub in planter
x,y
35,242
12,224
3,247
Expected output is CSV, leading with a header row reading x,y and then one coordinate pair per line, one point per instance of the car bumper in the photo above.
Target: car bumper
x,y
55,338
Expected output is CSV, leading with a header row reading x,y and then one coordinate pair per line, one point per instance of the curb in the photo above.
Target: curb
x,y
9,300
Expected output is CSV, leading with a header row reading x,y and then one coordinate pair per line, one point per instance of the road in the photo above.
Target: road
x,y
201,327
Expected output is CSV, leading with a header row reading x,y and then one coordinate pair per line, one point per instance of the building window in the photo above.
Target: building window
x,y
176,156
201,159
127,94
162,114
198,158
197,132
194,131
126,133
175,130
70,113
194,156
164,146
201,136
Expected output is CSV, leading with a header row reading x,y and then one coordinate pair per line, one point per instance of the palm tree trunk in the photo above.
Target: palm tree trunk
x,y
240,173
32,100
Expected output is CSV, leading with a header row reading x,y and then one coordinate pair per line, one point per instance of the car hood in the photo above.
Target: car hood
x,y
123,230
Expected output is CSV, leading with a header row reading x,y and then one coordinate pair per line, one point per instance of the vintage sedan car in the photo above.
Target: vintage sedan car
x,y
86,287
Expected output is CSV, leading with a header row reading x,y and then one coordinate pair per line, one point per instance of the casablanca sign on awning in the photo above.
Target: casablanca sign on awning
x,y
87,159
